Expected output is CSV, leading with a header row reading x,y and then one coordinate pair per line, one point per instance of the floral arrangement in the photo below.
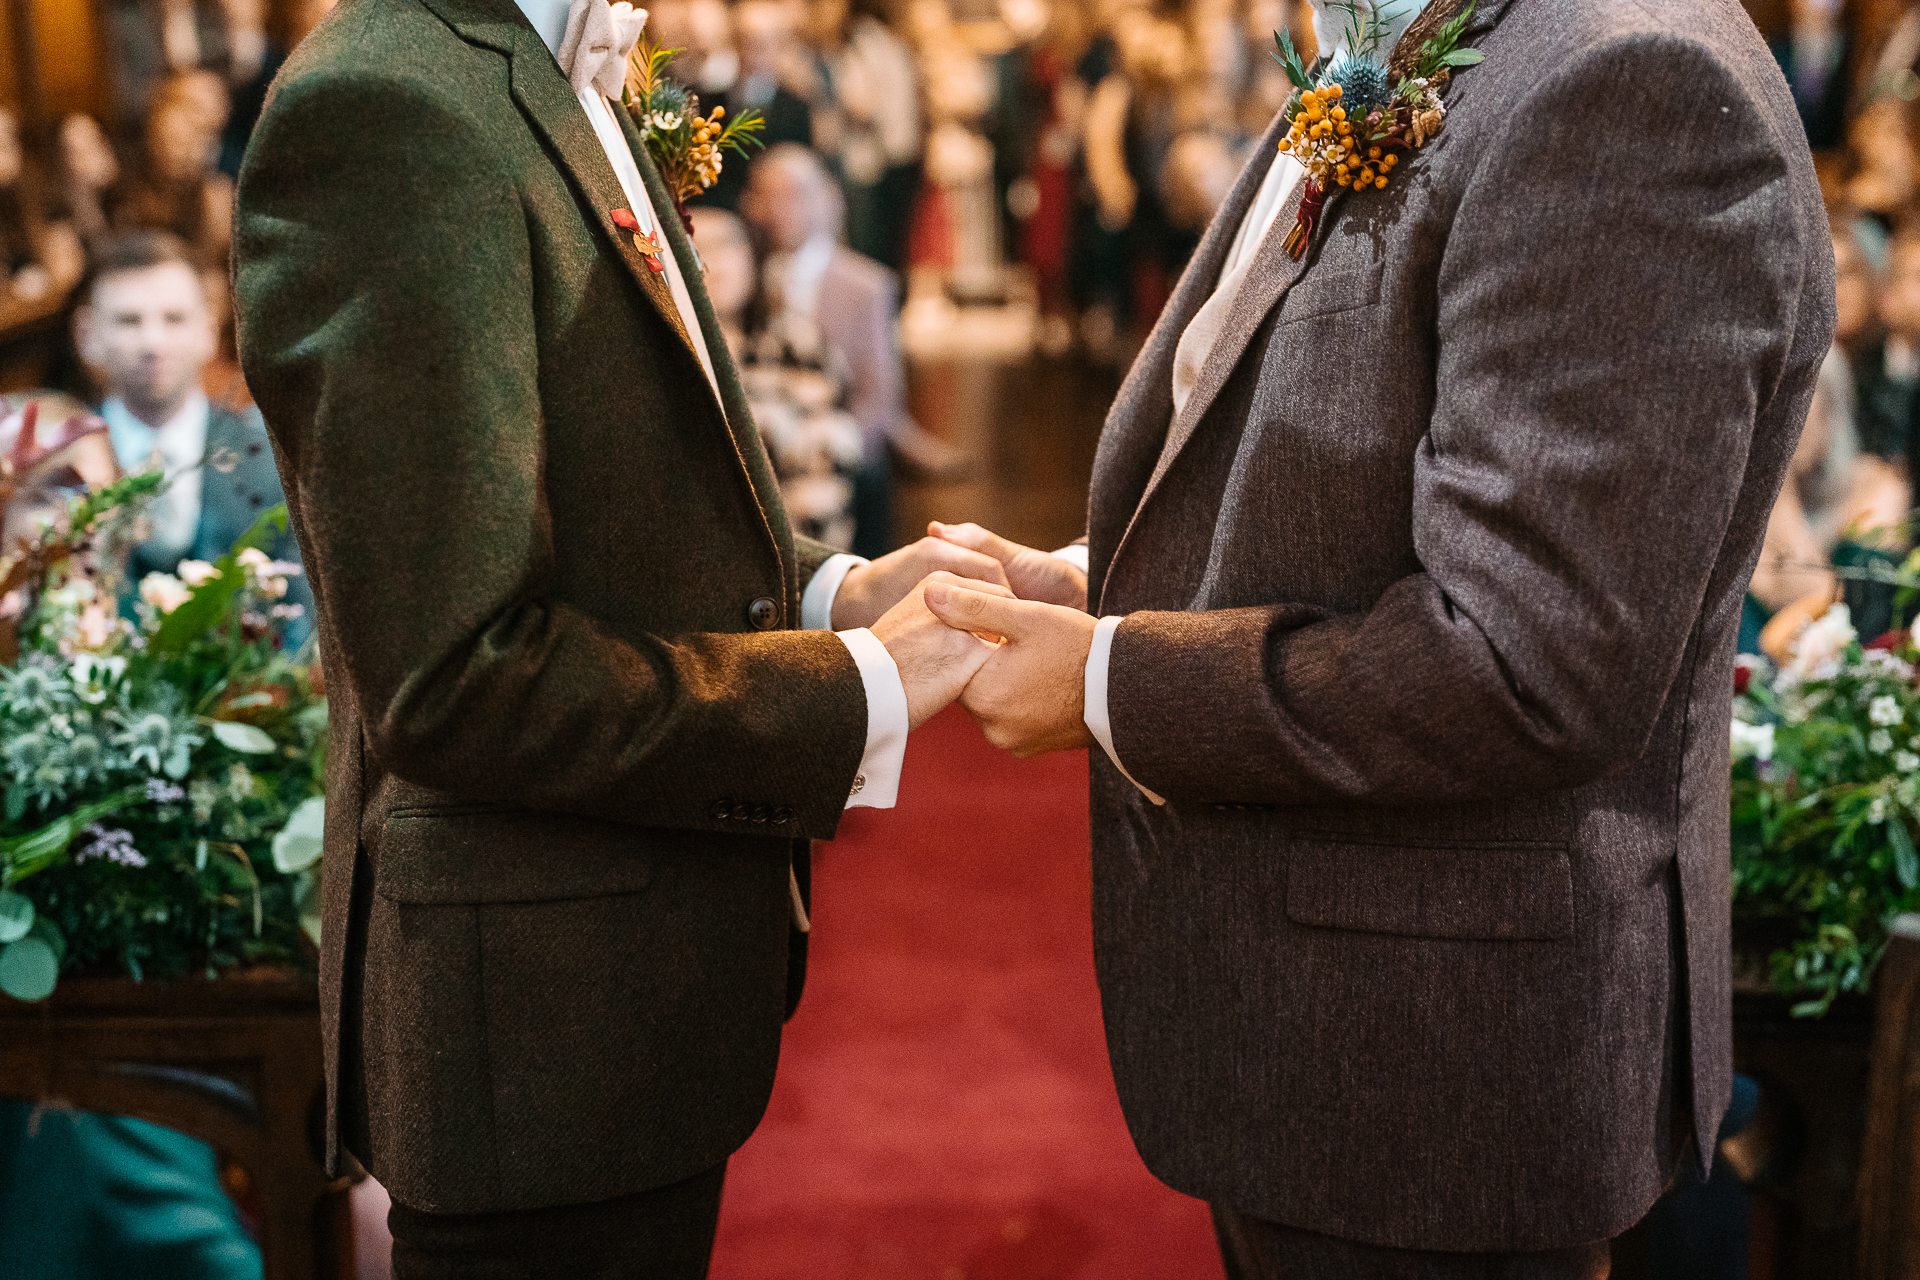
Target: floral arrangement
x,y
685,145
1826,803
1349,126
162,778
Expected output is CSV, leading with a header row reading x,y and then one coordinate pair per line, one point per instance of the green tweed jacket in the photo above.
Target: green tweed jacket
x,y
575,738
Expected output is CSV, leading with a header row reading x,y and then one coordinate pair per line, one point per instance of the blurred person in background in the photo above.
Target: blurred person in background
x,y
1888,370
145,329
1816,55
88,171
175,186
149,41
252,59
813,282
763,33
867,122
40,259
794,386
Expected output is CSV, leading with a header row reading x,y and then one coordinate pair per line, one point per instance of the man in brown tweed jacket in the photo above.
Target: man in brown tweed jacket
x,y
1416,567
578,740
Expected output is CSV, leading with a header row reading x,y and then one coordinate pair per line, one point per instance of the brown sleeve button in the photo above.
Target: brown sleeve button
x,y
761,813
742,813
783,815
720,810
764,613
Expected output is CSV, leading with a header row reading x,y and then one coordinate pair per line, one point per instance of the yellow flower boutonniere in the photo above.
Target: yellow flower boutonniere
x,y
1350,126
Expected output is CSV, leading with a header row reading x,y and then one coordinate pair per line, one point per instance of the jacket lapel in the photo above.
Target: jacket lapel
x,y
1272,274
547,100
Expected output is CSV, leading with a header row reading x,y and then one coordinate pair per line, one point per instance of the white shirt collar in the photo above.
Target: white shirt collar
x,y
184,434
1330,22
549,18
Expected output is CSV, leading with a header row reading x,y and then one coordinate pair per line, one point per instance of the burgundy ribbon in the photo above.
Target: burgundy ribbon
x,y
1311,205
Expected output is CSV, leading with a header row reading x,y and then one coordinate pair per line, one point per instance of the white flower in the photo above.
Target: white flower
x,y
289,610
195,572
1880,740
1752,741
164,591
1820,646
1885,710
664,121
1906,761
1877,811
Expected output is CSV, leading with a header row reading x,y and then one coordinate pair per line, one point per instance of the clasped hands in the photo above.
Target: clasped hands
x,y
1003,628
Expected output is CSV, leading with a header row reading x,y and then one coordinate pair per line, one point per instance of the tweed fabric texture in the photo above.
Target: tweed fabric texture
x,y
1431,595
1255,1250
574,771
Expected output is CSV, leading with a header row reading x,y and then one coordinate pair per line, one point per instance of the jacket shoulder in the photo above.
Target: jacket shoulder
x,y
855,274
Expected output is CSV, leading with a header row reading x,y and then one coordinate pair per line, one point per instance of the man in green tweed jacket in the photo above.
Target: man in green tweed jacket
x,y
586,705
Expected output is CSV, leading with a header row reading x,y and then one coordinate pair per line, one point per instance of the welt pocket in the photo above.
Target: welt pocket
x,y
1504,891
471,854
1321,295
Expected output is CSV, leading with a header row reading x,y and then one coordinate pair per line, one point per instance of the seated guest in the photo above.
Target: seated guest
x,y
88,171
145,329
812,281
1838,505
176,188
793,385
1888,375
39,260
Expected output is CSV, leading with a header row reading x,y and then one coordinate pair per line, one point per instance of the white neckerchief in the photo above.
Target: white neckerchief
x,y
1276,191
178,446
549,19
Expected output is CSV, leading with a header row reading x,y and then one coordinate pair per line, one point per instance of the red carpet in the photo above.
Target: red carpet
x,y
944,1109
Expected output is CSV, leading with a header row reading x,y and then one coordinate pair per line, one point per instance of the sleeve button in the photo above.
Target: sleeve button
x,y
720,810
782,816
742,813
764,613
761,813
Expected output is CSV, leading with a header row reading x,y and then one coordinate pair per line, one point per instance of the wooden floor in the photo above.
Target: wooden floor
x,y
1031,429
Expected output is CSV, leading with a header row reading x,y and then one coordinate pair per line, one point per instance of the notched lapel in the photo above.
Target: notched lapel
x,y
547,100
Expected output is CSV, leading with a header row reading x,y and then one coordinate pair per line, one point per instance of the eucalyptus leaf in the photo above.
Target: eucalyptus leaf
x,y
48,932
1906,862
243,738
16,915
28,969
1463,58
299,844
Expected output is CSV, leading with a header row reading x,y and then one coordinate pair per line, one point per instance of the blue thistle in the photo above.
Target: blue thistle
x,y
1364,83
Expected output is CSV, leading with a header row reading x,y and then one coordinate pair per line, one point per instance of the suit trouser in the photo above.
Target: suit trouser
x,y
1254,1249
663,1234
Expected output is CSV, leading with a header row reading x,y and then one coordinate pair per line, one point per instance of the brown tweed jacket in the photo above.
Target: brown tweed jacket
x,y
574,741
1431,597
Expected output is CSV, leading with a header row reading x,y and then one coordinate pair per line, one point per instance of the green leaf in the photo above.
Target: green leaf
x,y
203,610
1463,58
40,849
16,915
28,969
299,844
243,737
1906,862
1289,57
49,933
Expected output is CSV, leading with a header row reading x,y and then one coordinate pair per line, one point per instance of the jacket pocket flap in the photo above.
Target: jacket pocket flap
x,y
1507,891
1319,295
474,855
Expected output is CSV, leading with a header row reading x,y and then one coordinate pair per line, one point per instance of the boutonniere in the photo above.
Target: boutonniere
x,y
644,240
1349,127
686,146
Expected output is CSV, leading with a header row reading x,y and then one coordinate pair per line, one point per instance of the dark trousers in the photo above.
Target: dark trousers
x,y
1254,1249
663,1234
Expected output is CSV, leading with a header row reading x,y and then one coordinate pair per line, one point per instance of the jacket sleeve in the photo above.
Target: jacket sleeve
x,y
383,274
1617,304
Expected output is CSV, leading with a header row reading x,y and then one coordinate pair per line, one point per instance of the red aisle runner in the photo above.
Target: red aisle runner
x,y
944,1110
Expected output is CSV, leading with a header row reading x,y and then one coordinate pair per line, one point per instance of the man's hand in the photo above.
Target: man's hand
x,y
1033,575
1030,694
869,590
935,660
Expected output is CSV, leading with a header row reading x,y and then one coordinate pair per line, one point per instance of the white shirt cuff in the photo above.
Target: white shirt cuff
x,y
877,784
816,605
1075,555
1096,692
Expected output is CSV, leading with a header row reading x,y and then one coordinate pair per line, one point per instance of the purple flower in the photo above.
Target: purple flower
x,y
114,846
160,791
